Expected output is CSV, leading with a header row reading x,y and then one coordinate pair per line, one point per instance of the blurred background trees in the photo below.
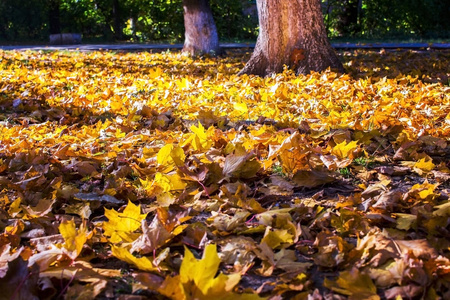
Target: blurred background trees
x,y
236,20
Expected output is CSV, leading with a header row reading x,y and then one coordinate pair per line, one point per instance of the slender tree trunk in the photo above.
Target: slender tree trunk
x,y
291,33
200,30
348,17
117,24
54,17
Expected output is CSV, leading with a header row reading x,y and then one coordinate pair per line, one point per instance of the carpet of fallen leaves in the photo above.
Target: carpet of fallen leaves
x,y
162,176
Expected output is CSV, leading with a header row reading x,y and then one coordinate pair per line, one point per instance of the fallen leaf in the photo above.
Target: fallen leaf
x,y
74,238
20,281
142,263
122,226
424,165
354,284
198,280
241,165
312,178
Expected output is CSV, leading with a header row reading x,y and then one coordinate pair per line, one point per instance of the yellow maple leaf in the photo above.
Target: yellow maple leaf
x,y
155,72
163,156
241,107
199,138
74,238
121,226
405,221
143,263
442,210
169,154
354,284
344,149
198,280
162,183
277,237
15,208
295,159
424,165
425,190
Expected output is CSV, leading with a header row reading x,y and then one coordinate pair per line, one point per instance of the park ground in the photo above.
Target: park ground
x,y
156,175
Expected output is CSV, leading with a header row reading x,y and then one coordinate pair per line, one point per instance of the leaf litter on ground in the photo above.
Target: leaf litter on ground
x,y
163,176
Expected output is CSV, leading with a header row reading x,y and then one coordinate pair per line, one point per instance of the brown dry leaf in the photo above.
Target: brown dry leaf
x,y
6,256
312,178
241,164
354,284
20,281
375,189
332,250
154,235
44,259
86,291
238,251
408,291
387,201
420,248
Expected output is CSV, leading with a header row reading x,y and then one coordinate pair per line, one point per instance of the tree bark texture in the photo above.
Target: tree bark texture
x,y
291,33
200,29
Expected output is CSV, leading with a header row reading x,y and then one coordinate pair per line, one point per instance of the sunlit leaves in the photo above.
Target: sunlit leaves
x,y
198,280
345,150
275,238
424,165
171,154
424,191
74,238
200,138
143,263
121,226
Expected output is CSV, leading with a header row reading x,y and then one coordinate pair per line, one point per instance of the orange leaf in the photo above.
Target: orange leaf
x,y
297,55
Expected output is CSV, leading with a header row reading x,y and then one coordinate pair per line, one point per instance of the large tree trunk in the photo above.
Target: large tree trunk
x,y
200,30
291,33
